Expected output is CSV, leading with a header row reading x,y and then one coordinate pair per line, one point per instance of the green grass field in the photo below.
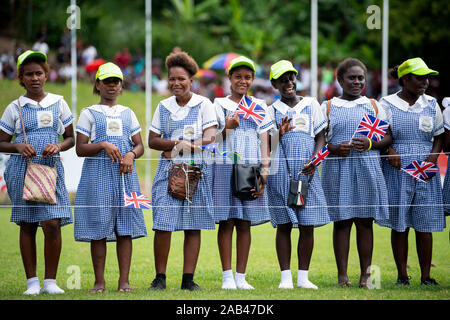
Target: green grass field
x,y
262,272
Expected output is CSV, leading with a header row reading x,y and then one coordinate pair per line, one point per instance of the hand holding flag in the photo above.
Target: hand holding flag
x,y
320,156
372,127
421,170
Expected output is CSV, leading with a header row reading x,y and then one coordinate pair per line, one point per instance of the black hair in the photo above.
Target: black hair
x,y
182,59
346,64
394,74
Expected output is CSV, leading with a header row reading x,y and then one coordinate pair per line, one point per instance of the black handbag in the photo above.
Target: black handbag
x,y
298,190
244,178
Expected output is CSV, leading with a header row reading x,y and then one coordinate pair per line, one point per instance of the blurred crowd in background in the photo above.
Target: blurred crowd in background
x,y
212,83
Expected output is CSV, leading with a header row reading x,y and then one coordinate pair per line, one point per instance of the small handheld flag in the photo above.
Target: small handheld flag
x,y
320,156
372,127
214,148
249,109
136,200
421,170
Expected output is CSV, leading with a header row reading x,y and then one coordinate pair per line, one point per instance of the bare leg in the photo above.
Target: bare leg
x,y
243,241
52,246
305,246
225,243
192,239
283,245
27,240
399,241
341,245
98,255
364,242
161,245
424,245
124,250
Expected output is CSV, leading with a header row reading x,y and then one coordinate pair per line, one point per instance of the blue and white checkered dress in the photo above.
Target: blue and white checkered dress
x,y
38,137
243,140
99,203
299,148
446,186
354,186
169,213
413,203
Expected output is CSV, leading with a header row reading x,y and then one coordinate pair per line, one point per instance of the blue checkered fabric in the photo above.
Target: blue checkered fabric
x,y
354,186
412,203
99,205
299,147
446,190
28,211
171,214
245,141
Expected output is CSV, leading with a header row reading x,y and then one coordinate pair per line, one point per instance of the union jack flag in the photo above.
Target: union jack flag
x,y
248,109
136,200
372,127
320,156
421,170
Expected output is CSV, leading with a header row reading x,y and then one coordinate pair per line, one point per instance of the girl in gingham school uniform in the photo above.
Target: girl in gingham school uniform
x,y
351,175
116,142
300,127
446,148
417,127
46,116
180,122
246,138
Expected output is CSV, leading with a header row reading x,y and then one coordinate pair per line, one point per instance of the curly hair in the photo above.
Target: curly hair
x,y
347,64
182,59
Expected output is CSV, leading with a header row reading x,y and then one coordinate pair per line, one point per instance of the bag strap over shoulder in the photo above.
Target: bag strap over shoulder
x,y
375,107
328,108
21,121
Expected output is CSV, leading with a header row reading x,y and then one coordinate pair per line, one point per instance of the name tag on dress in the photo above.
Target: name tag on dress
x,y
113,127
301,122
45,119
189,132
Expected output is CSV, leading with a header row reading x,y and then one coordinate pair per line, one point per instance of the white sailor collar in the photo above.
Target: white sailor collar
x,y
401,104
48,100
338,102
172,105
107,110
284,108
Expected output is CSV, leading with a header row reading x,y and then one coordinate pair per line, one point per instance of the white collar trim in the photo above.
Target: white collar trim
x,y
48,100
107,110
338,102
172,105
398,102
284,108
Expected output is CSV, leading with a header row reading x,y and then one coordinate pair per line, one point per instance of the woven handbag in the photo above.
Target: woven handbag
x,y
40,180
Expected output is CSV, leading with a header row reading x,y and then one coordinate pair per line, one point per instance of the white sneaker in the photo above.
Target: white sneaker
x,y
307,285
244,285
286,285
33,290
51,287
228,284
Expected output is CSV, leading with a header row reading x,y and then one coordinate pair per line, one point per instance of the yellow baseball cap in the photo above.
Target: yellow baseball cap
x,y
282,66
415,66
30,54
241,61
108,70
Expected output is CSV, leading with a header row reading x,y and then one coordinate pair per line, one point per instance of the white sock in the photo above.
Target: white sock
x,y
286,280
228,280
241,283
303,282
51,287
33,286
